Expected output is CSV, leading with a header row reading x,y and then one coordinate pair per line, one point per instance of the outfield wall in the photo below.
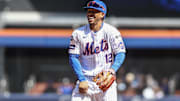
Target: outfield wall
x,y
59,38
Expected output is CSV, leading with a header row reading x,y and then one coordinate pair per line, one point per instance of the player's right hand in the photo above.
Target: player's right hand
x,y
83,87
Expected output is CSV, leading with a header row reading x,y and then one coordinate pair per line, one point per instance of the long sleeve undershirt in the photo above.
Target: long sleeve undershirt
x,y
118,61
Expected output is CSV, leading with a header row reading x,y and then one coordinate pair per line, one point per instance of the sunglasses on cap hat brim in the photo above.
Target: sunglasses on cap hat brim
x,y
95,5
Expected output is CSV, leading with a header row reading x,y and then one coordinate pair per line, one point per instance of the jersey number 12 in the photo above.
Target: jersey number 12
x,y
108,58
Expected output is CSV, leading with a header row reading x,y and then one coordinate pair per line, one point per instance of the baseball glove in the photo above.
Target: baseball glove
x,y
104,80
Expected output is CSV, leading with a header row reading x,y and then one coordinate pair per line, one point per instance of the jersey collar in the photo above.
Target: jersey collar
x,y
96,31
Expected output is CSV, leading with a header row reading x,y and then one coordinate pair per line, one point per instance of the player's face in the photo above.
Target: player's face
x,y
94,16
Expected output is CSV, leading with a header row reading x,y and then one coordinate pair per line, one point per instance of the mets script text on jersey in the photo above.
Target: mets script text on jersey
x,y
91,49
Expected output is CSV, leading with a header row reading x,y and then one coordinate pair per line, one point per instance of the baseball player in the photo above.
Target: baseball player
x,y
94,48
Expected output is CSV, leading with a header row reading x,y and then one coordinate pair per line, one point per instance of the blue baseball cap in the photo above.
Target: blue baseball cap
x,y
98,5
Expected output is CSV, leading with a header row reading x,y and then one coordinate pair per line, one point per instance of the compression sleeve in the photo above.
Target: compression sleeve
x,y
119,59
75,63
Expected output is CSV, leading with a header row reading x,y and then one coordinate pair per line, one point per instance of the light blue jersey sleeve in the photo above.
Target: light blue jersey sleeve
x,y
118,61
75,63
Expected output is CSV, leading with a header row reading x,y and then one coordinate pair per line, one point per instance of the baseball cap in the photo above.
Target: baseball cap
x,y
98,5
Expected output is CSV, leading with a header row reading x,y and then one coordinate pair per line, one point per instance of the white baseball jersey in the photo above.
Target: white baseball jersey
x,y
96,49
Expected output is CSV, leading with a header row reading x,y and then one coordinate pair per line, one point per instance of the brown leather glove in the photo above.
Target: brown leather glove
x,y
83,87
105,79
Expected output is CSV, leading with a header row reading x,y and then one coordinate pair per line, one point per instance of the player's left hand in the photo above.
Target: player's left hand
x,y
112,71
105,79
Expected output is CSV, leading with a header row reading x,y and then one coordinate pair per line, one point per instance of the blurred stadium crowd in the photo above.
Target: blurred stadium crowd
x,y
34,36
129,84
